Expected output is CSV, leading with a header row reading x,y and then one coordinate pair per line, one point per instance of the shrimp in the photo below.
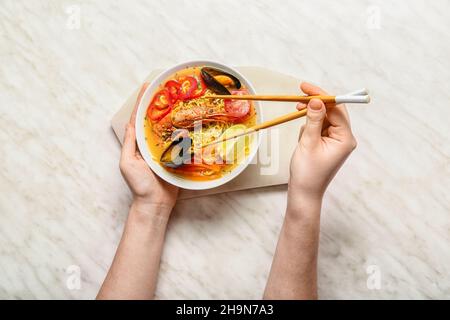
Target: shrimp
x,y
186,113
163,128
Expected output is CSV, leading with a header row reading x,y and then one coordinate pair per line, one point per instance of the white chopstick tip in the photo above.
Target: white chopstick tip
x,y
360,92
352,99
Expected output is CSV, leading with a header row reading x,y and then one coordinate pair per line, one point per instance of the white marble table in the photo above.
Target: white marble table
x,y
63,201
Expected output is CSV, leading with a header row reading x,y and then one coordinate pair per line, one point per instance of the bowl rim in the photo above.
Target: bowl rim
x,y
146,153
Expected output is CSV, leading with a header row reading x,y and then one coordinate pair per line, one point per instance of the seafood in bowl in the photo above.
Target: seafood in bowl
x,y
181,129
181,120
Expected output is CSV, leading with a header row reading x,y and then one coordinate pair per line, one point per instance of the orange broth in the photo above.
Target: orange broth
x,y
157,143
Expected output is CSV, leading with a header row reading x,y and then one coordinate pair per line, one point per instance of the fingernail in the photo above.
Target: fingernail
x,y
315,104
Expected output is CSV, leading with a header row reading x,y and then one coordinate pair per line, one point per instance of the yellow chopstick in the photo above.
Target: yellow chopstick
x,y
283,98
266,124
326,99
360,96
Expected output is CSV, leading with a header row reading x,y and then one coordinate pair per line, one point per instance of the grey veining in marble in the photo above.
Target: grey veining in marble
x,y
62,199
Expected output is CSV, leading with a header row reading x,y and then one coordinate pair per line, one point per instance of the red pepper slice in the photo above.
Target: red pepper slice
x,y
161,100
197,170
187,86
173,87
160,106
200,90
155,115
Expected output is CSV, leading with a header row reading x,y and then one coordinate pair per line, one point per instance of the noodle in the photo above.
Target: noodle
x,y
205,120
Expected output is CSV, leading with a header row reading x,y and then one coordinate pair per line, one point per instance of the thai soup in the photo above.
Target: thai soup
x,y
182,123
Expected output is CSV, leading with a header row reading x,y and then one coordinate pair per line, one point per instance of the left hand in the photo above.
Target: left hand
x,y
147,188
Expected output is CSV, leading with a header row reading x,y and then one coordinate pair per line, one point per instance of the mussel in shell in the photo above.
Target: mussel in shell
x,y
178,152
218,80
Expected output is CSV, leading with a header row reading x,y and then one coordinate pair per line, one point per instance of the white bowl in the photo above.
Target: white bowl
x,y
142,144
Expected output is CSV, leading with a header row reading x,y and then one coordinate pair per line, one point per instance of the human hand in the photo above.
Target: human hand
x,y
147,188
326,140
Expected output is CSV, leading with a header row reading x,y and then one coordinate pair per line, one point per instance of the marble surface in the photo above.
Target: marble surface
x,y
62,199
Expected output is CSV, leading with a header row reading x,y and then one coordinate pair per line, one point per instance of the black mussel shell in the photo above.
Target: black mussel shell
x,y
208,75
178,152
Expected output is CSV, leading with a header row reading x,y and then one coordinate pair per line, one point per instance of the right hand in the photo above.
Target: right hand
x,y
326,140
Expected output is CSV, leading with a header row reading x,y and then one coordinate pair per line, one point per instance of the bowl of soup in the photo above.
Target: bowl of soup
x,y
184,135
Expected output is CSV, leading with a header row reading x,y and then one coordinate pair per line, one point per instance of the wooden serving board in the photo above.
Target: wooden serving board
x,y
271,166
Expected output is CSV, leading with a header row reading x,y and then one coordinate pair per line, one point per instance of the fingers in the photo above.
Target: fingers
x,y
300,106
315,117
129,142
337,115
301,132
139,97
312,90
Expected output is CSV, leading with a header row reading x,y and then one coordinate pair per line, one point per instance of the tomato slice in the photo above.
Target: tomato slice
x,y
200,89
162,100
237,108
173,87
187,86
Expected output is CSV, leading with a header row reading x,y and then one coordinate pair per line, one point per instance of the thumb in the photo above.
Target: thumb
x,y
314,121
129,142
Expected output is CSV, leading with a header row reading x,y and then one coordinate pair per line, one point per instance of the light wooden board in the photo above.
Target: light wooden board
x,y
271,166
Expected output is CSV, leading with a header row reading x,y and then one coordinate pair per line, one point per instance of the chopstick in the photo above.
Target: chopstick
x,y
350,98
357,96
267,124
